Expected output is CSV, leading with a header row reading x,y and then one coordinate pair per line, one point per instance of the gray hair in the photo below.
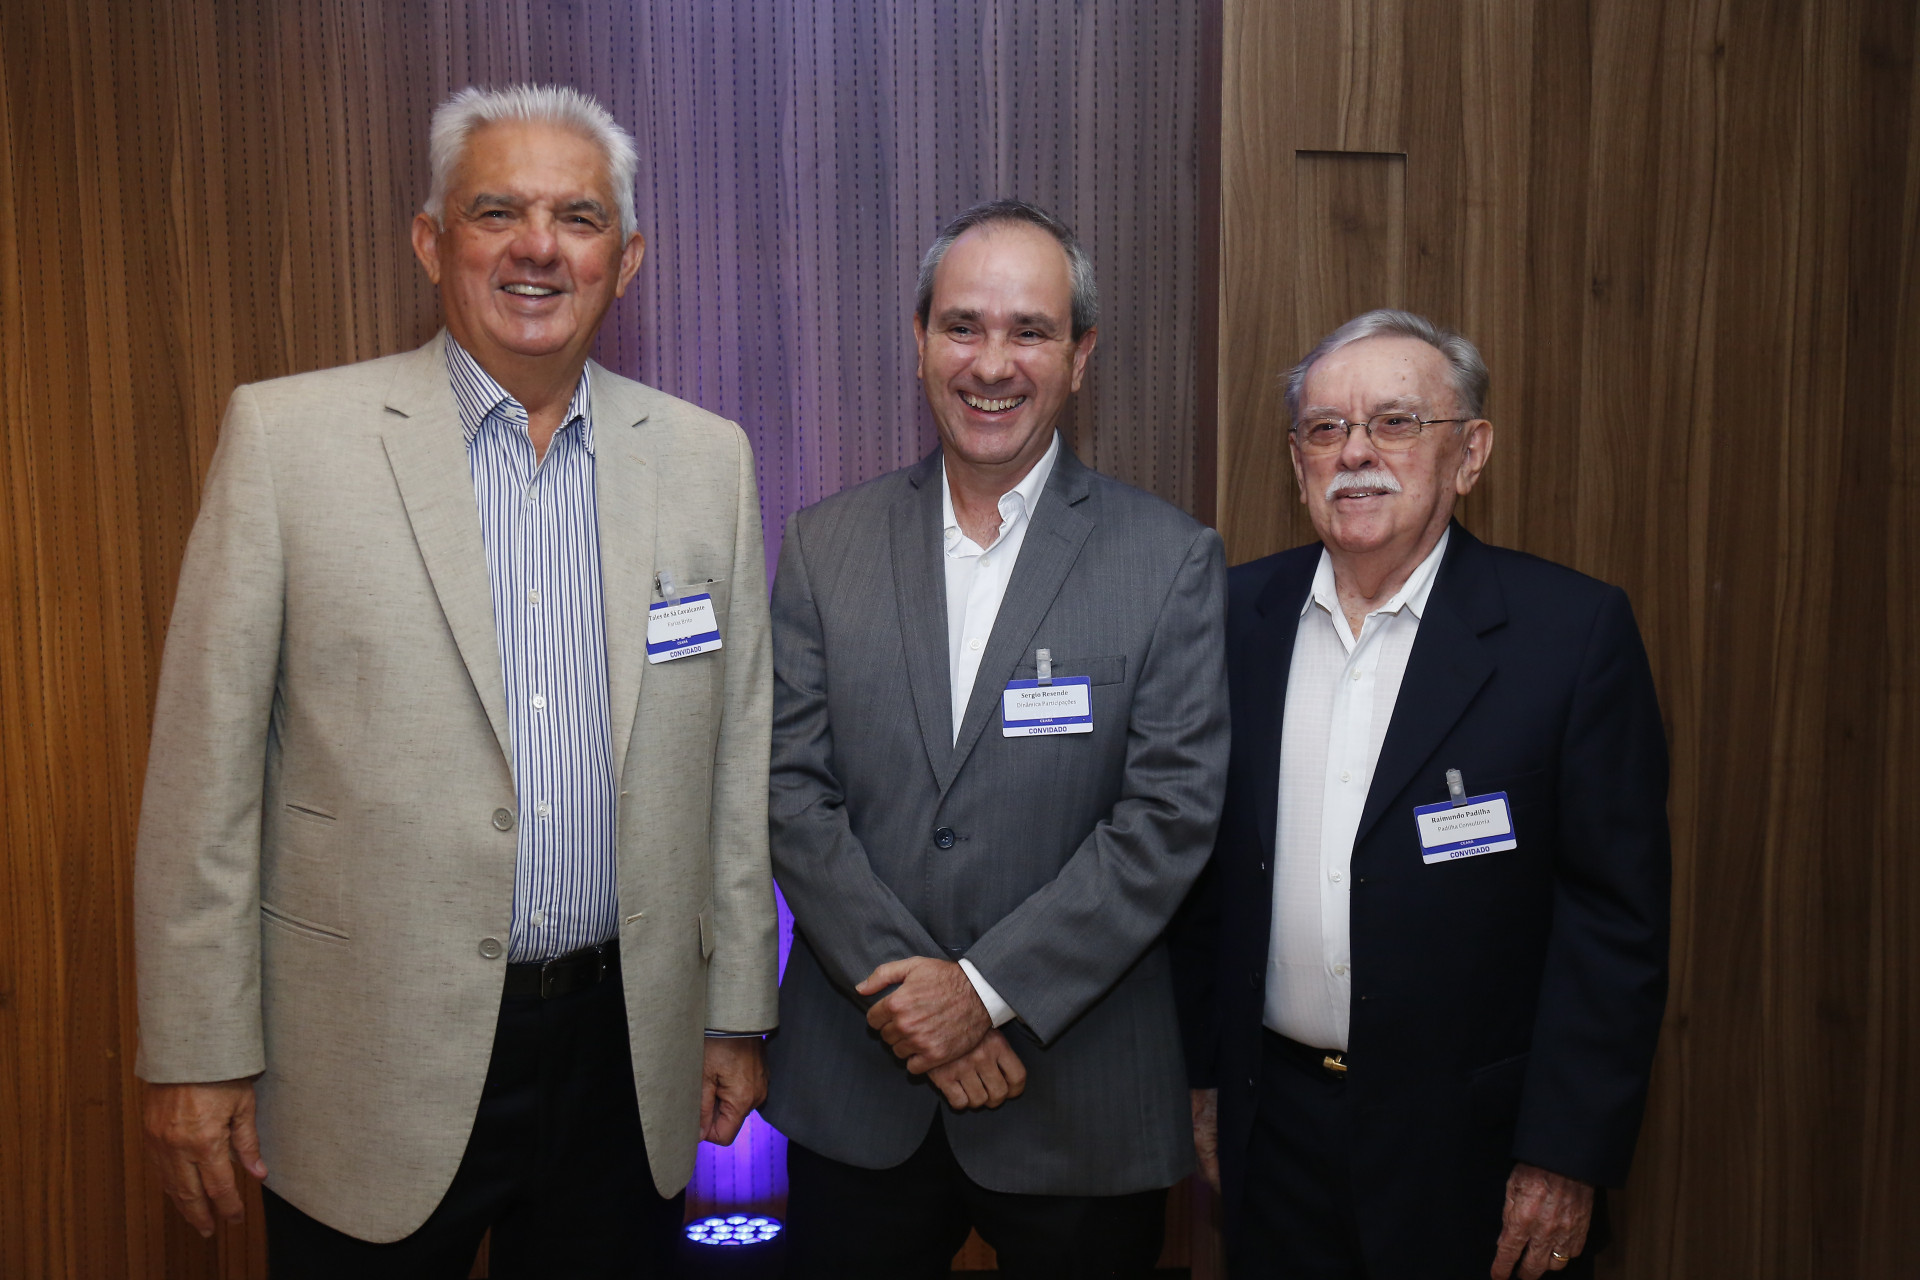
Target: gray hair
x,y
456,119
1466,371
1086,295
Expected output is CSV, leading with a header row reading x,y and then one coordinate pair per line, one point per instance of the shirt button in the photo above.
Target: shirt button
x,y
1334,876
538,919
491,949
1345,776
943,837
974,644
1356,675
539,702
533,597
503,819
1339,971
543,809
984,562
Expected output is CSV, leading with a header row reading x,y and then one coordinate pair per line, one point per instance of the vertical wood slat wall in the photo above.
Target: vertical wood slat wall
x,y
1686,234
197,193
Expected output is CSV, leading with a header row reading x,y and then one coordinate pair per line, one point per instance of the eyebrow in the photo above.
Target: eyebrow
x,y
1379,406
493,200
1026,319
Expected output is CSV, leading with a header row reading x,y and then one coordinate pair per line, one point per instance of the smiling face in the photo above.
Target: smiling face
x,y
1366,503
531,255
997,354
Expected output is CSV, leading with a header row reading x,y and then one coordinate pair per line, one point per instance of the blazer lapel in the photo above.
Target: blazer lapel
x,y
428,454
625,502
920,595
1060,528
1264,690
1446,669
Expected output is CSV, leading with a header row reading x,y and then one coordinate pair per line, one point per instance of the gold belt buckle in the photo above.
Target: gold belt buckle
x,y
1333,1062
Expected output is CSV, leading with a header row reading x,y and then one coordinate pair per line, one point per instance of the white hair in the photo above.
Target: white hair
x,y
456,119
1466,371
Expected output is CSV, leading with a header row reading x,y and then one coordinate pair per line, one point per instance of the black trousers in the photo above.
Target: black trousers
x,y
906,1223
1297,1218
555,1166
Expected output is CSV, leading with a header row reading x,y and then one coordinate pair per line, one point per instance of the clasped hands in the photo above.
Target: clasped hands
x,y
933,1018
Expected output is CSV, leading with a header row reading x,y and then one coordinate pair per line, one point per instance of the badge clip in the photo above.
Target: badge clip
x,y
664,581
1456,789
1043,666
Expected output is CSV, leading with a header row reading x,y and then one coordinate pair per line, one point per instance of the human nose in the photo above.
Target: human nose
x,y
993,360
538,239
1358,449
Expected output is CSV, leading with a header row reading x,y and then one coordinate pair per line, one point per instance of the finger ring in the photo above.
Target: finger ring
x,y
1558,1256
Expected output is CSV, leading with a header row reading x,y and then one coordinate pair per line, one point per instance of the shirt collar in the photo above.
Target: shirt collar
x,y
480,397
1412,594
1021,499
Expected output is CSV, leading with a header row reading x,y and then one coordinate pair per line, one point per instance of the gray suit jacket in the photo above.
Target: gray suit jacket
x,y
321,879
1067,854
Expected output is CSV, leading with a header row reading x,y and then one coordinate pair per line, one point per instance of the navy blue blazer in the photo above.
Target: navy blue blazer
x,y
1505,1006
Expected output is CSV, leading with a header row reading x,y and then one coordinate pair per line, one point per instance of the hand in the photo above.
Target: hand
x,y
1206,1133
733,1081
1546,1215
933,1017
986,1077
194,1134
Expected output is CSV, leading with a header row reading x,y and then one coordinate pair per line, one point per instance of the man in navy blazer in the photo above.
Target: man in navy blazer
x,y
1423,977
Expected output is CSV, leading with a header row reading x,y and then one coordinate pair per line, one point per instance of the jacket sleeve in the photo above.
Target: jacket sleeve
x,y
1603,990
743,971
197,863
1065,947
850,919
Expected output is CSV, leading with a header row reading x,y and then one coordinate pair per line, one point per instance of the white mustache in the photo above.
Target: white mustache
x,y
1372,478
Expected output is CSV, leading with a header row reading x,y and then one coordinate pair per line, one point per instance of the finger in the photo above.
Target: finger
x,y
246,1143
1011,1068
1507,1254
994,1083
1210,1166
182,1182
950,1089
885,976
216,1175
709,1095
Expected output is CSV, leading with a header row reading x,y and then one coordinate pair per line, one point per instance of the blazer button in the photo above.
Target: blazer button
x,y
491,948
943,837
1253,979
503,819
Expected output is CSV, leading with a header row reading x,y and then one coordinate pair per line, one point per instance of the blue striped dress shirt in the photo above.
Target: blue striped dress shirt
x,y
538,520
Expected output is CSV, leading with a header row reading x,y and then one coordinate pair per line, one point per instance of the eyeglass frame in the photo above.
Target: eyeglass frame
x,y
1347,434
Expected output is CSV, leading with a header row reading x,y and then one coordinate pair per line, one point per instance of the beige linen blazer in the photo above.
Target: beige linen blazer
x,y
323,886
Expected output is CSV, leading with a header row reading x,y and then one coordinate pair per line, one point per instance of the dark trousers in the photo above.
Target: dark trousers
x,y
906,1223
1298,1218
555,1166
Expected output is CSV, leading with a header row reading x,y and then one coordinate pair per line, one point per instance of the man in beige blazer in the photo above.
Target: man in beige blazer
x,y
452,897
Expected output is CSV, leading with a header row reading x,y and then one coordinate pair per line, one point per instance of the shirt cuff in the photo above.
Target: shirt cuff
x,y
733,1035
999,1010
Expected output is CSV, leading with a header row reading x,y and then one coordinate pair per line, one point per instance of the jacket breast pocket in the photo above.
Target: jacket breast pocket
x,y
1099,671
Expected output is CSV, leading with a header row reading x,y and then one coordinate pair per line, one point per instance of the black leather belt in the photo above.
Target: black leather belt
x,y
1331,1062
575,971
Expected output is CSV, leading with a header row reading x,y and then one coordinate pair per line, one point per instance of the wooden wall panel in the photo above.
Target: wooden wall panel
x,y
1685,234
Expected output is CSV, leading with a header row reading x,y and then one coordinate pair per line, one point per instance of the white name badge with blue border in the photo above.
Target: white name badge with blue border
x,y
1029,709
1482,824
682,628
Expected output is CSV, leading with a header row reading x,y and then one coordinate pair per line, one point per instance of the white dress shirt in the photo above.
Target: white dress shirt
x,y
1340,696
976,583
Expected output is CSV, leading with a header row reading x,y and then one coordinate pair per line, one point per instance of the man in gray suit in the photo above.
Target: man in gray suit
x,y
452,860
1000,732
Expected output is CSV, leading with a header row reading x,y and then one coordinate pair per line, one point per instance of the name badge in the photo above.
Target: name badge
x,y
1029,709
682,628
1448,830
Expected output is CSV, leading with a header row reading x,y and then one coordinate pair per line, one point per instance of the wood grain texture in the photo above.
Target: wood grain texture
x,y
1685,234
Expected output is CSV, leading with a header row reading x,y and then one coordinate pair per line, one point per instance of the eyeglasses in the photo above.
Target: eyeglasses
x,y
1395,431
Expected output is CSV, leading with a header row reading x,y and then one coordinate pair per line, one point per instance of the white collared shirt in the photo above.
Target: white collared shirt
x,y
976,584
1340,696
